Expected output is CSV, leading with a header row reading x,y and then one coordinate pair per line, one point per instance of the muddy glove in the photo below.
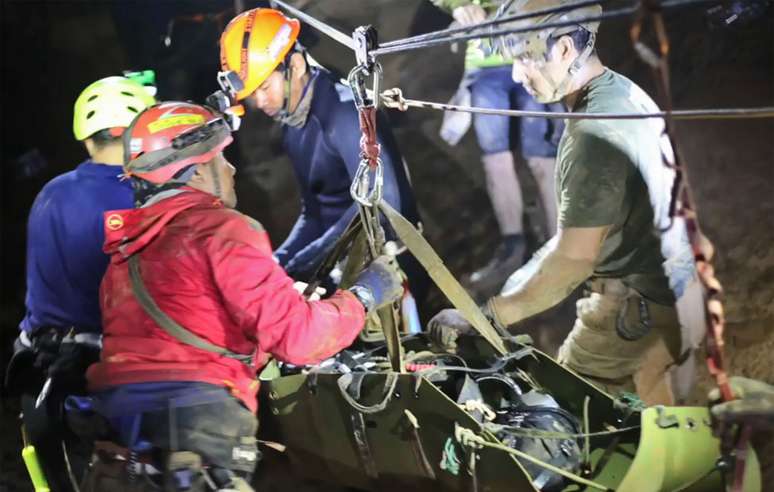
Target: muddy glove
x,y
379,284
446,327
754,404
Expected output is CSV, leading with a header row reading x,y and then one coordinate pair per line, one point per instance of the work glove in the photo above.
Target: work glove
x,y
449,324
754,404
379,284
444,329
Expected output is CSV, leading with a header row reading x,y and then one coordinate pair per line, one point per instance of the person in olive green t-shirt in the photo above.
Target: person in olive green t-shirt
x,y
613,195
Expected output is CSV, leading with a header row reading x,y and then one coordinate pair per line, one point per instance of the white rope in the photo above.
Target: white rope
x,y
393,98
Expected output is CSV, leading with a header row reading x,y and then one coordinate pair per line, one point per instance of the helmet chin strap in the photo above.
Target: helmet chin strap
x,y
561,87
284,113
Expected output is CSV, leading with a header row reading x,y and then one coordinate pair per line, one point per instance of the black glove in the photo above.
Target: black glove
x,y
69,368
45,345
379,284
446,327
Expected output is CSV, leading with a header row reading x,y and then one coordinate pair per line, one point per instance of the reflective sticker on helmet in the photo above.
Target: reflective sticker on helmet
x,y
135,145
114,222
177,120
280,41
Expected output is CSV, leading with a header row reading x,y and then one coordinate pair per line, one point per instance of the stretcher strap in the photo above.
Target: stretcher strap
x,y
432,263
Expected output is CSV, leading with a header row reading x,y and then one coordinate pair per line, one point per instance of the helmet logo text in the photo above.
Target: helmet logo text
x,y
177,120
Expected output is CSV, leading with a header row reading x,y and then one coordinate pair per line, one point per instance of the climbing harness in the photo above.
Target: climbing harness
x,y
170,326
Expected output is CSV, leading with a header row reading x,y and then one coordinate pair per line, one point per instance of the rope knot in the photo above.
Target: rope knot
x,y
369,145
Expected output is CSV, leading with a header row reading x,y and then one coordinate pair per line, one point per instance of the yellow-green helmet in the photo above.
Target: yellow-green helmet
x,y
112,102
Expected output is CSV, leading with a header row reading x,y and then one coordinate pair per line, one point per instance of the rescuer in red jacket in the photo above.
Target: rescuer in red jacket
x,y
193,303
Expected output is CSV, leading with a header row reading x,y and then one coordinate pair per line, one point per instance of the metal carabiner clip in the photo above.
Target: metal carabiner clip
x,y
364,97
361,190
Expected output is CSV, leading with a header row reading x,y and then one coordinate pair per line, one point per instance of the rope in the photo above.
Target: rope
x,y
493,22
586,427
369,145
405,45
470,439
623,12
321,26
449,461
543,434
393,98
682,205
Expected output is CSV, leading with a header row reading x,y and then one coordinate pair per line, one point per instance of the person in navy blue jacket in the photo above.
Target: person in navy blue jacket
x,y
61,331
321,135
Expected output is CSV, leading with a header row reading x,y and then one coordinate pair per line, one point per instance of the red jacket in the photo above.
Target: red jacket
x,y
211,270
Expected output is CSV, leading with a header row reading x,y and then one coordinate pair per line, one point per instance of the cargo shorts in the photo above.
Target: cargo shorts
x,y
596,349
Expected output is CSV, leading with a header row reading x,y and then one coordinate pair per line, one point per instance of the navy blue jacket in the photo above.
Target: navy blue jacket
x,y
325,153
65,262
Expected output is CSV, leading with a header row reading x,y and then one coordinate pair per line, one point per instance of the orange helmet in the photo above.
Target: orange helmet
x,y
253,45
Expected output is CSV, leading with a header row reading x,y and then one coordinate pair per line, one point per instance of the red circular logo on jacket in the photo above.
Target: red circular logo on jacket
x,y
114,222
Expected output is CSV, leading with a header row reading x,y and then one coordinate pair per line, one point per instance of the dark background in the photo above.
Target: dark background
x,y
52,49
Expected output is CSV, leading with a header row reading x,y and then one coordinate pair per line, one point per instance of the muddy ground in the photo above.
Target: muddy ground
x,y
730,166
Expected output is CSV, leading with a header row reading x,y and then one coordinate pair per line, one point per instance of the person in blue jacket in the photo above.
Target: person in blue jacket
x,y
61,331
321,135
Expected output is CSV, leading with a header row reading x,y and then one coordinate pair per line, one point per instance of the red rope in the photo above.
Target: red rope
x,y
682,206
369,145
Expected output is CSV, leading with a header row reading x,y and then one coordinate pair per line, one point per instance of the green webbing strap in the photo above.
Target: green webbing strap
x,y
168,324
424,253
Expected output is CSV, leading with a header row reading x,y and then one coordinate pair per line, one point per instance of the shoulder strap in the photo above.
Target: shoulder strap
x,y
168,324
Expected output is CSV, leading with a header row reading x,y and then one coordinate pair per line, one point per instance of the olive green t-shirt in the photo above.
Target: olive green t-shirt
x,y
613,172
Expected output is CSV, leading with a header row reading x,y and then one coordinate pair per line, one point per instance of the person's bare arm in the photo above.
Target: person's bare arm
x,y
566,261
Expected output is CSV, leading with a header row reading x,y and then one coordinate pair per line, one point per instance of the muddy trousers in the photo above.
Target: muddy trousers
x,y
596,349
199,426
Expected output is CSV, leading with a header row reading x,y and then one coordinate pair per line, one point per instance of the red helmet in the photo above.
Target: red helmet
x,y
171,136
